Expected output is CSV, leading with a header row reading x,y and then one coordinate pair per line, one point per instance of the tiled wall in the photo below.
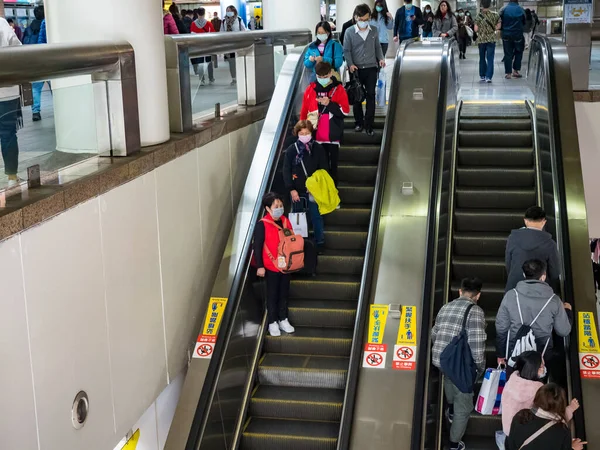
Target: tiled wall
x,y
106,297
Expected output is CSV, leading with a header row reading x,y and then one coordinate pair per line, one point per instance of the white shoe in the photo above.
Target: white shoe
x,y
274,329
284,325
202,82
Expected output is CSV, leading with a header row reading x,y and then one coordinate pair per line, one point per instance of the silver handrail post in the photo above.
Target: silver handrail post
x,y
256,74
178,86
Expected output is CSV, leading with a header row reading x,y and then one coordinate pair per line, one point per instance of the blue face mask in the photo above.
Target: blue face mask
x,y
409,6
323,81
362,24
379,8
230,14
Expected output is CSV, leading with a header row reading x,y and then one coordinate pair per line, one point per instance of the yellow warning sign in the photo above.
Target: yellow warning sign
x,y
133,442
588,337
377,319
214,314
407,331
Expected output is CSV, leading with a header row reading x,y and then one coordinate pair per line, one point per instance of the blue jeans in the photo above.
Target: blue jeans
x,y
486,59
37,87
513,52
9,117
315,216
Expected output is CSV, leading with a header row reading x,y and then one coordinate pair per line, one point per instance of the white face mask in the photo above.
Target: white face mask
x,y
230,14
322,37
277,213
362,24
543,374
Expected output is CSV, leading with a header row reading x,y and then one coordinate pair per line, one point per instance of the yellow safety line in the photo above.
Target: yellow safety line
x,y
286,436
268,400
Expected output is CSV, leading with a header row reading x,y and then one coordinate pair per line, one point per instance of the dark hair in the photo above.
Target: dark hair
x,y
438,13
361,10
301,125
173,9
38,12
471,285
269,198
323,68
486,4
184,12
535,214
232,8
201,11
9,20
534,269
325,25
528,365
375,14
550,398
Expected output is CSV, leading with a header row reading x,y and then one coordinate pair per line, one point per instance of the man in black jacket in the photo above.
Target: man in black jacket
x,y
407,22
531,242
345,27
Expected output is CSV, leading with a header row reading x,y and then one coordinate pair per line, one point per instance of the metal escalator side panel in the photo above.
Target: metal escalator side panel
x,y
549,77
213,391
383,414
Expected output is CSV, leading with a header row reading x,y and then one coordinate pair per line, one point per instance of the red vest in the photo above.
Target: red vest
x,y
272,241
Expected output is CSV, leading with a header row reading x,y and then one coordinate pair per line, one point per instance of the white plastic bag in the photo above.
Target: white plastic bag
x,y
469,31
490,395
500,438
381,88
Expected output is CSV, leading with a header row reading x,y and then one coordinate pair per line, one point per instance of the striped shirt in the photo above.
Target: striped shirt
x,y
448,325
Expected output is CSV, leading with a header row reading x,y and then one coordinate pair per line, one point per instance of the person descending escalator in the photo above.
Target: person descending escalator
x,y
324,49
454,317
266,256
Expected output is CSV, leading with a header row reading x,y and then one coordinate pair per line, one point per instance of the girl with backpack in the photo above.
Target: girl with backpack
x,y
325,48
267,238
231,23
544,426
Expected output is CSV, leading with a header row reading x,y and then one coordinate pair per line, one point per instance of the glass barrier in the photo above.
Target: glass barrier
x,y
213,80
595,66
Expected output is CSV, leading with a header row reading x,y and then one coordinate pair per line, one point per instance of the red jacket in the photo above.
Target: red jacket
x,y
267,233
330,118
208,28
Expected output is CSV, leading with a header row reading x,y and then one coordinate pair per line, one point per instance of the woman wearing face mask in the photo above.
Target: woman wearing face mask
x,y
325,49
266,236
305,155
383,19
444,21
232,22
428,25
522,386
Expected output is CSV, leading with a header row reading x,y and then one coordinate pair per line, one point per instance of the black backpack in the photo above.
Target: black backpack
x,y
354,89
456,361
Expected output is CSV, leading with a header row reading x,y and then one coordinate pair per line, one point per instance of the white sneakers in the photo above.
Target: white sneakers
x,y
275,328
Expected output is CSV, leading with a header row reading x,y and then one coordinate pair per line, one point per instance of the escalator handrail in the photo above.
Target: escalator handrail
x,y
235,294
562,226
368,265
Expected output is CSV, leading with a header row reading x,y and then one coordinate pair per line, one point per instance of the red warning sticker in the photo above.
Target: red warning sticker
x,y
374,356
589,365
405,357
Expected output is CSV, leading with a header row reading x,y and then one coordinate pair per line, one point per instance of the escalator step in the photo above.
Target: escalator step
x,y
490,269
495,176
333,287
495,138
356,174
353,138
312,341
483,425
361,154
345,238
379,123
496,198
480,244
491,296
322,313
277,434
356,195
349,262
495,124
498,110
303,371
297,403
352,216
490,321
488,219
490,156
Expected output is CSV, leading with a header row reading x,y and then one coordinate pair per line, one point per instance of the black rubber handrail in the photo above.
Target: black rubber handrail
x,y
235,293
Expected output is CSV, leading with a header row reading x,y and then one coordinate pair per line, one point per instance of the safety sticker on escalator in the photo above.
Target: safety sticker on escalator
x,y
374,357
405,357
589,351
377,319
407,330
205,343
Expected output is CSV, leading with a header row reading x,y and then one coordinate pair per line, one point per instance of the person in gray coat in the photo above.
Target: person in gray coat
x,y
444,21
531,242
535,297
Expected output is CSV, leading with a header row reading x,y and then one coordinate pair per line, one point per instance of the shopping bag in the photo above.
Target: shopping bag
x,y
490,395
355,90
500,438
381,88
299,223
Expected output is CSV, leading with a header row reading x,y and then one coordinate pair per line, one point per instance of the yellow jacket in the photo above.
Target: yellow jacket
x,y
321,186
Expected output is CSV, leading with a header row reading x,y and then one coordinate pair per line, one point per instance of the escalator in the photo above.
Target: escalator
x,y
297,401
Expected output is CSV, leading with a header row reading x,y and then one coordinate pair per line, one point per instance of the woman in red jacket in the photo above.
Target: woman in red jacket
x,y
266,235
201,25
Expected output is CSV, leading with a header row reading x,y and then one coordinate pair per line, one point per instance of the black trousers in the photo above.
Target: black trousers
x,y
368,78
333,154
278,292
462,45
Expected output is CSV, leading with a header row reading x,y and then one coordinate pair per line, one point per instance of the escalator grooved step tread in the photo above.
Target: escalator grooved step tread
x,y
322,313
297,403
495,177
495,198
275,434
312,341
496,156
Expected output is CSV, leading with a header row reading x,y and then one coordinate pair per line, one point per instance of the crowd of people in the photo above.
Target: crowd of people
x,y
534,412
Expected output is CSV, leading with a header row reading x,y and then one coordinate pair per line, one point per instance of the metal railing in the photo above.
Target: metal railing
x,y
110,63
254,61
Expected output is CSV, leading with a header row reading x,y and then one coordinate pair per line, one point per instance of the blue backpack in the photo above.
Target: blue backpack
x,y
456,361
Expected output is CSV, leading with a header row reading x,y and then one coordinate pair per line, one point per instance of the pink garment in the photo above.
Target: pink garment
x,y
519,394
169,25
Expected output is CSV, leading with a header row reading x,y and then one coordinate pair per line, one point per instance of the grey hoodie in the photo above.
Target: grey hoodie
x,y
533,295
527,243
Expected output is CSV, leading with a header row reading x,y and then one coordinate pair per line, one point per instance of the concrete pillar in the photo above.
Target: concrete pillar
x,y
393,6
1,9
345,10
281,14
136,21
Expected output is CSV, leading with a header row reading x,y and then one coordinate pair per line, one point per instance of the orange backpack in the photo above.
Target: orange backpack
x,y
290,252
